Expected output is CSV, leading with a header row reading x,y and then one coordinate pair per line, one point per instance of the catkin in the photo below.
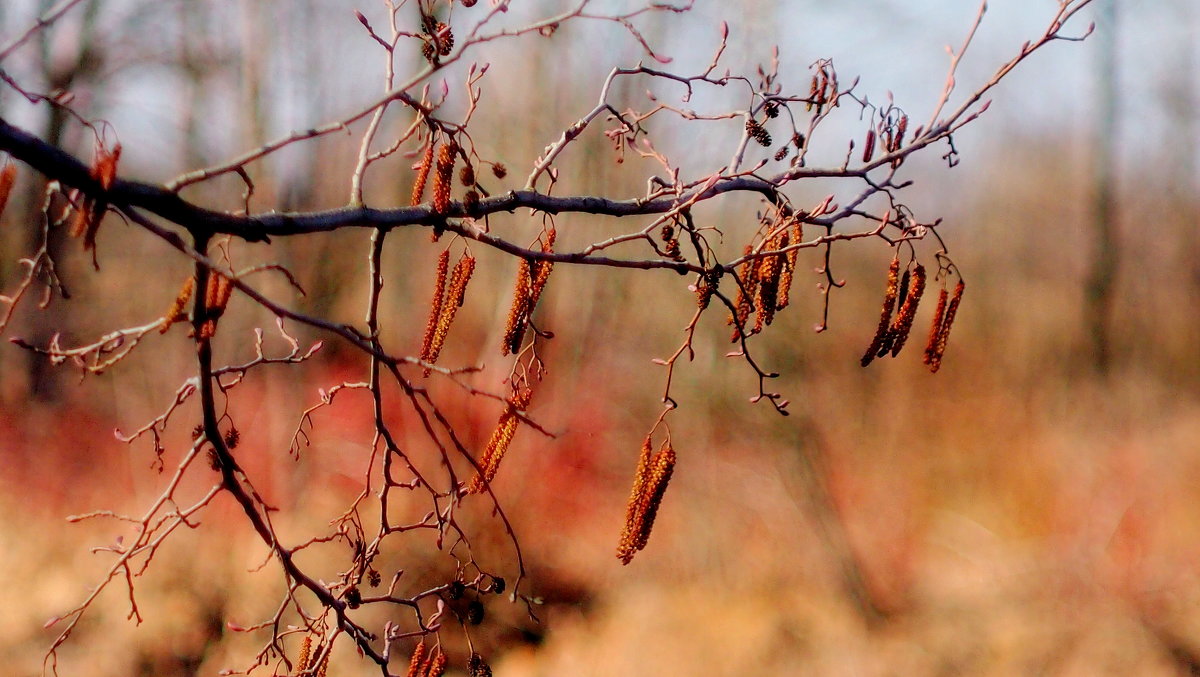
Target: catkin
x,y
514,330
944,329
770,271
649,485
418,664
656,486
418,190
908,311
747,289
795,236
885,313
543,270
435,305
935,329
437,667
456,292
889,340
321,672
531,281
8,176
305,649
869,146
443,179
633,513
217,294
501,437
176,312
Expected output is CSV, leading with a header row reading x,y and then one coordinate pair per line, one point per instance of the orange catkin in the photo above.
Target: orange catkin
x,y
885,313
443,178
501,437
770,272
418,664
514,330
435,306
437,667
935,329
747,289
531,281
543,270
418,189
305,652
456,292
649,486
8,176
944,330
176,312
795,236
633,512
908,311
661,469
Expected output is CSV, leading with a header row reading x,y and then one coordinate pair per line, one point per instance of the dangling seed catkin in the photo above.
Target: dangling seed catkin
x,y
747,290
175,312
633,513
514,330
305,648
501,437
885,313
908,311
935,329
455,294
418,189
435,305
885,346
661,469
417,664
443,178
944,329
649,486
869,146
437,667
795,235
770,268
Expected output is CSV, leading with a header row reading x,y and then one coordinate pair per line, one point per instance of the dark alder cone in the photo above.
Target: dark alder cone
x,y
477,667
475,612
758,132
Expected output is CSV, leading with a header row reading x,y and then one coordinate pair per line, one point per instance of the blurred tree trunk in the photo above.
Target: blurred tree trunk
x,y
61,72
1105,261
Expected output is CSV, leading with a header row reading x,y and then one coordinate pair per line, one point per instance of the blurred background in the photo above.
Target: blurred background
x,y
1030,509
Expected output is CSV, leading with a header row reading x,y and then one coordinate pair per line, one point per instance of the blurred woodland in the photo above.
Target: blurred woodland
x,y
1032,508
